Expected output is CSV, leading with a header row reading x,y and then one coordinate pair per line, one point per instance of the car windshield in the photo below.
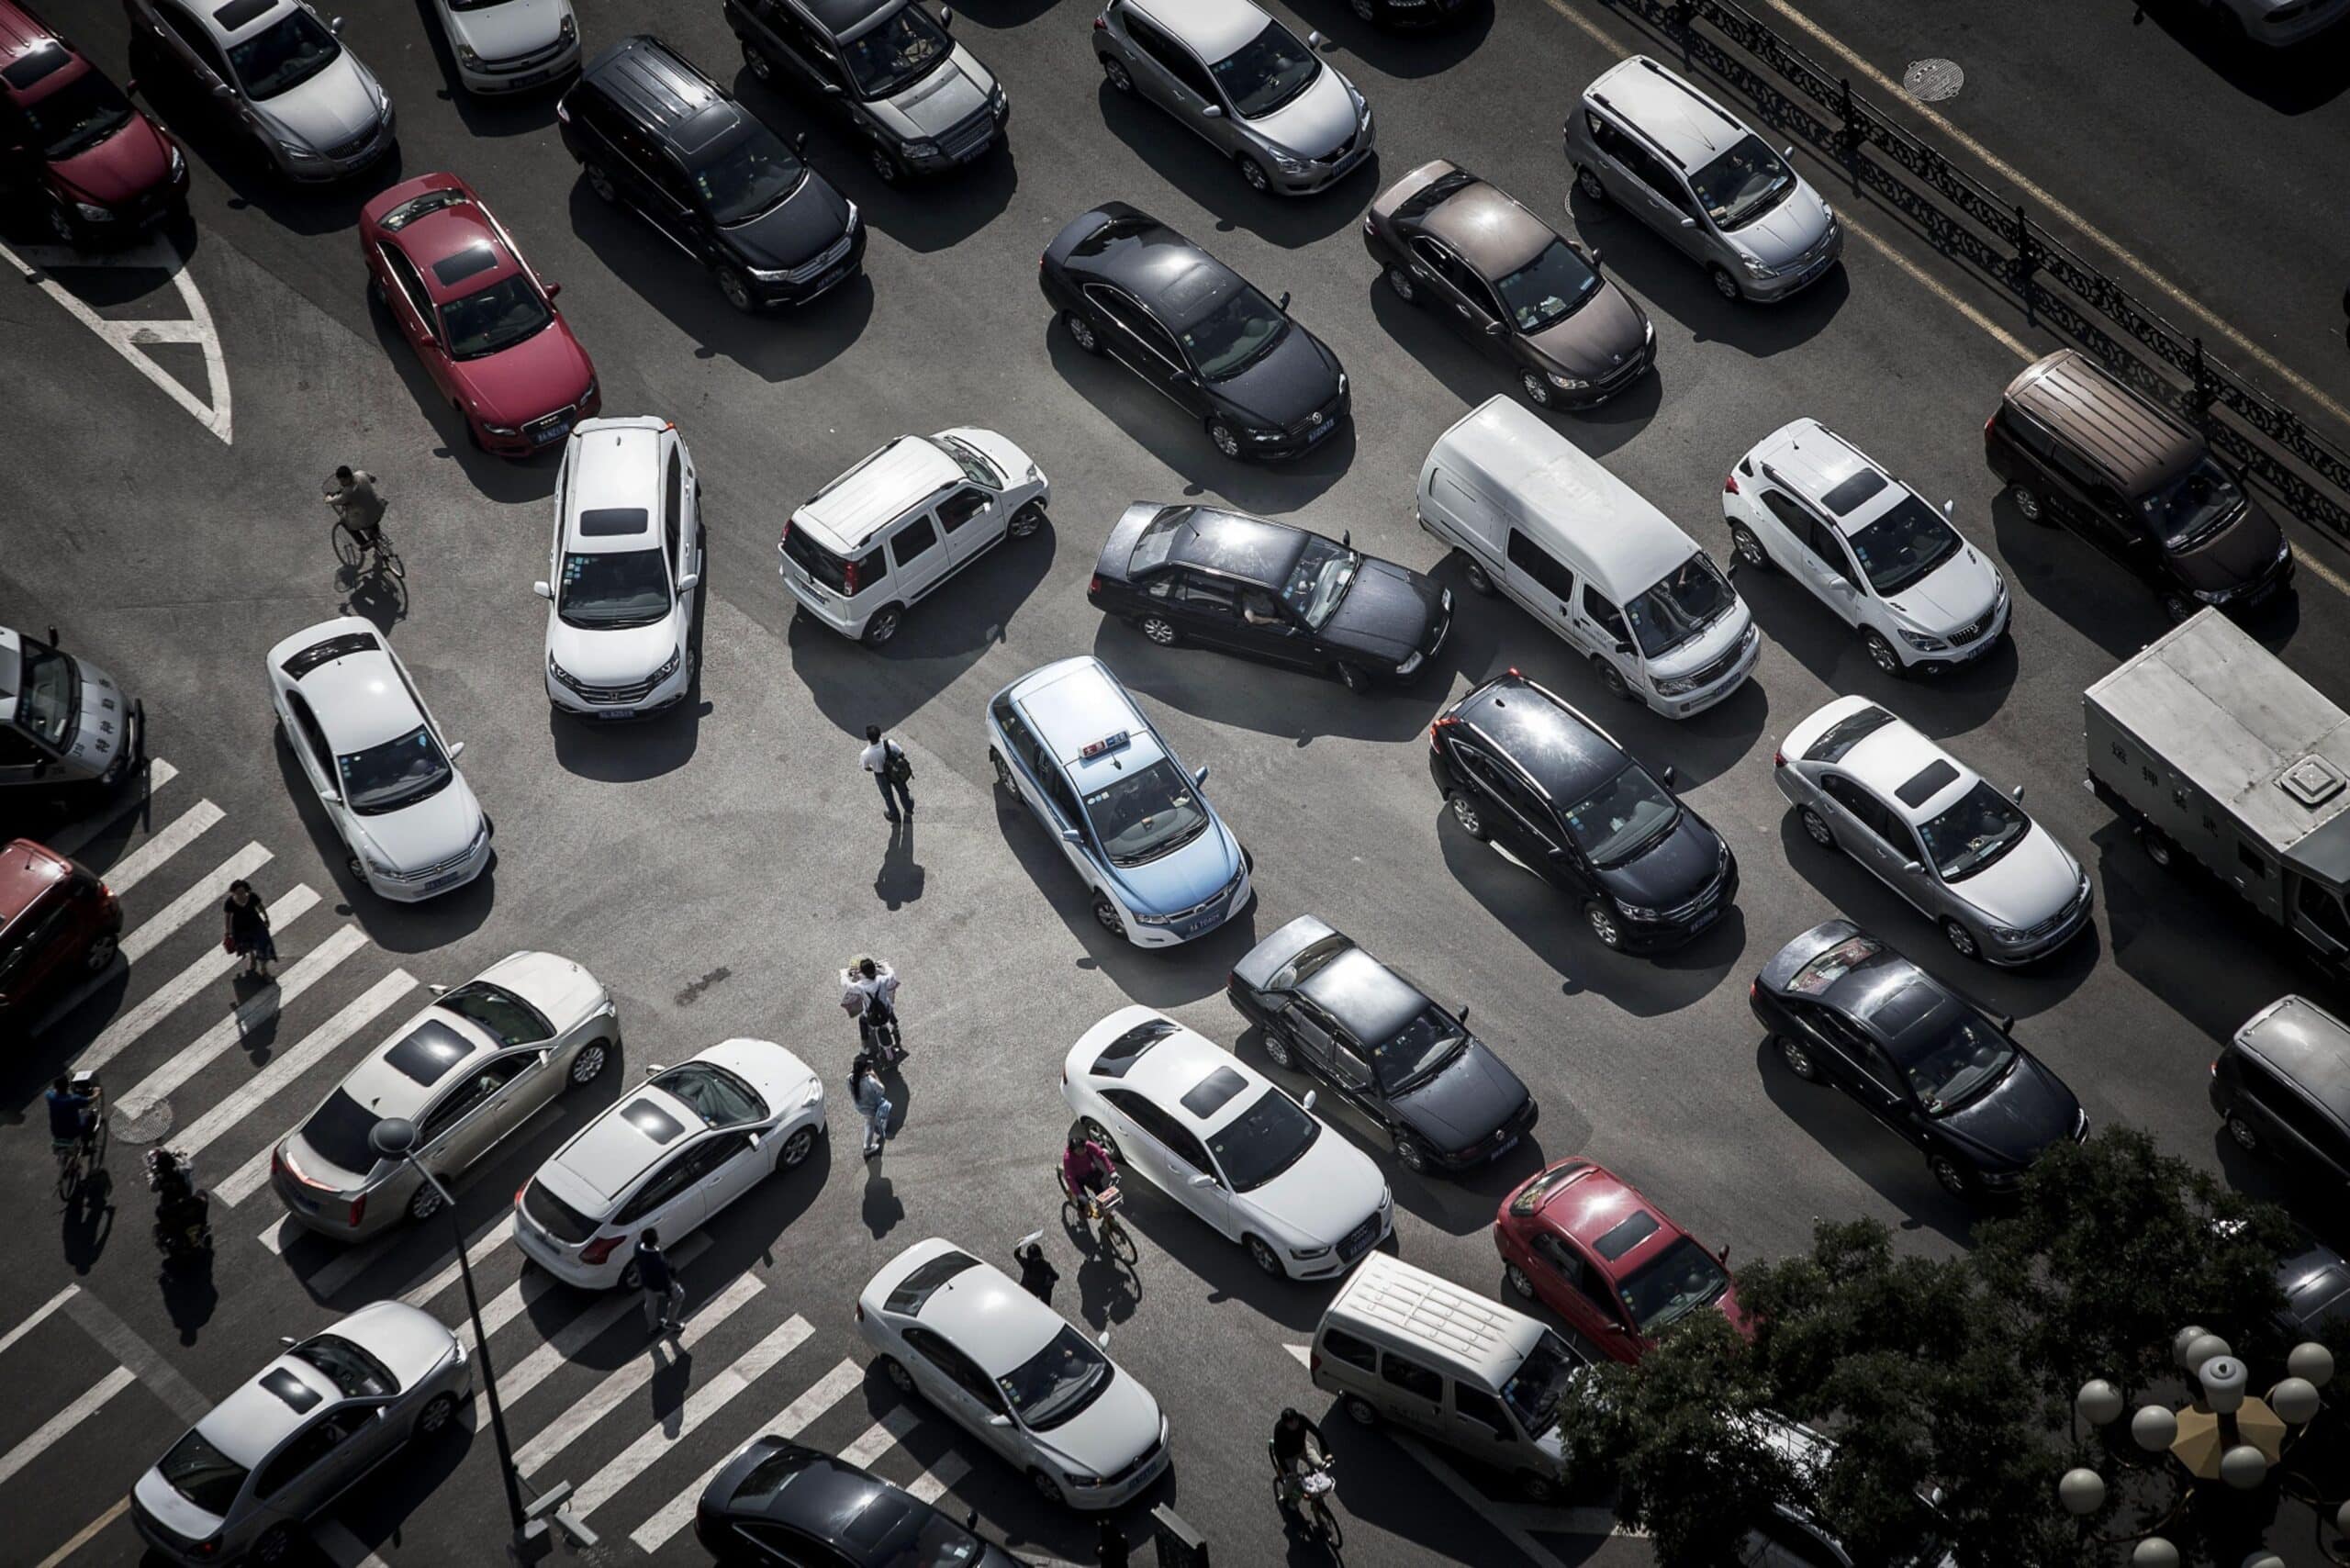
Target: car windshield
x,y
358,1374
747,174
202,1473
1548,288
340,1131
899,53
1145,814
397,773
976,464
1833,965
1058,1382
1671,1285
83,113
721,1098
502,1015
1691,598
1263,1141
1423,1046
1320,579
1621,817
1982,825
49,695
1742,183
296,48
612,589
1267,72
1960,1065
1909,541
494,317
1533,1392
1240,331
2191,507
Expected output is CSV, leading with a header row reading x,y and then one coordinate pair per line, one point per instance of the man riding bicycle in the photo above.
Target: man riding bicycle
x,y
358,506
1298,1446
71,1116
1087,1171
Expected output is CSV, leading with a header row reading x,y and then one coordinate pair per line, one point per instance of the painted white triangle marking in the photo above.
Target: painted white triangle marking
x,y
125,337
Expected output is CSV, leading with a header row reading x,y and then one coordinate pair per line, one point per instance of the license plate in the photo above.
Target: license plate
x,y
552,432
616,712
829,279
450,881
308,1205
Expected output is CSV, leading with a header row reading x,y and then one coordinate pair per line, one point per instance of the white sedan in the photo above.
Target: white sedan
x,y
384,769
1016,1374
670,1157
509,46
1225,1142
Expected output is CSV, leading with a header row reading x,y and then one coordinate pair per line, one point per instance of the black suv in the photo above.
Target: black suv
x,y
2282,1086
1522,769
651,131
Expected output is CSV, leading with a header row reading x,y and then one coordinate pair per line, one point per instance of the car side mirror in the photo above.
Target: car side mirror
x,y
1913,867
1949,508
1315,41
1212,111
971,1518
1103,1338
2016,794
1497,330
1623,645
1594,258
221,90
1284,299
1201,1179
1688,223
1307,1104
554,289
999,1419
757,1141
457,751
130,88
689,582
335,27
438,989
1200,774
287,1340
1721,1254
799,144
1666,777
831,89
2005,1020
1788,151
543,590
652,1067
1070,835
946,16
1462,1013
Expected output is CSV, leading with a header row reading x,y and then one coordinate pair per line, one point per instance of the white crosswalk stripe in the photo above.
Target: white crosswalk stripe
x,y
305,972
420,1292
68,841
787,1422
706,1401
881,1436
206,894
132,869
283,1068
624,1381
584,1330
65,1420
169,998
35,1318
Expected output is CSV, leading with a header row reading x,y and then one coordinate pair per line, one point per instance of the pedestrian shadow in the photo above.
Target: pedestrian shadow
x,y
375,594
89,1221
189,1296
881,1209
673,1376
900,881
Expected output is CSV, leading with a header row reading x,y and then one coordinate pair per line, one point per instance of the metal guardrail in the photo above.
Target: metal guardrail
x,y
1969,222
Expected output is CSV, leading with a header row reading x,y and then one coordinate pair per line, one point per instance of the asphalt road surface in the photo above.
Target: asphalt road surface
x,y
171,414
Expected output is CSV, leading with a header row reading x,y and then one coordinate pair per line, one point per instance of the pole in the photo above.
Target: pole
x,y
481,1349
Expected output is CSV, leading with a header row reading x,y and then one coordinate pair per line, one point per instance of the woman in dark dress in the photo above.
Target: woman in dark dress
x,y
245,920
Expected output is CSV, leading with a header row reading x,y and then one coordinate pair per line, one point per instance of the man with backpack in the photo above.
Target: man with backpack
x,y
869,995
892,770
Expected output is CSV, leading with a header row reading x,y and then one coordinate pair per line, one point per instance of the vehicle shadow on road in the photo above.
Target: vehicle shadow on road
x,y
1213,181
1420,51
498,478
1838,1125
1672,285
2291,81
1276,700
2189,939
2074,581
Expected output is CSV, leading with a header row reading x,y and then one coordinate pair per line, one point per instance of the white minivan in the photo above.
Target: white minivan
x,y
1585,554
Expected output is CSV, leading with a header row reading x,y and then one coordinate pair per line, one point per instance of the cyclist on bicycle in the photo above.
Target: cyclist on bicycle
x,y
357,504
1087,1170
1298,1446
72,1118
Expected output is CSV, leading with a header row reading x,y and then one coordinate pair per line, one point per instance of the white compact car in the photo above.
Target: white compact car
x,y
383,770
668,1157
506,46
1016,1374
280,72
1227,1143
1927,826
621,572
1806,502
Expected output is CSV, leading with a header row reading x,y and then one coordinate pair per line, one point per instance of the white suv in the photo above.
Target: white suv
x,y
1808,502
621,572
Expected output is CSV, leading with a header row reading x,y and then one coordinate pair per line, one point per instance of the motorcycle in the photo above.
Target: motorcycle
x,y
183,1211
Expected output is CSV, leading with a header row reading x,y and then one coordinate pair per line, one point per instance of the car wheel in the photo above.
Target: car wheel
x,y
1047,1488
1536,388
1277,1051
2028,507
1724,284
1603,923
1226,441
1816,828
1159,630
1106,915
2177,606
1082,333
2159,847
1519,1279
1797,1059
1881,653
1587,181
1465,812
358,873
1611,679
276,1545
1002,773
1536,1487
1353,678
601,183
1410,1154
1400,280
2247,1136
1952,1175
1254,173
899,1378
435,1415
758,63
1473,573
1360,1411
737,292
632,1278
1101,1135
425,1203
883,626
885,167
376,292
589,1064
61,224
1121,79
1961,940
1264,1257
1026,521
102,951
473,430
795,1149
1749,548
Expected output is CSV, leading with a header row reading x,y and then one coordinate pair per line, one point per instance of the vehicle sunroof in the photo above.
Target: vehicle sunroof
x,y
613,522
1927,782
478,257
653,1122
1209,1094
236,13
34,63
431,1049
299,1396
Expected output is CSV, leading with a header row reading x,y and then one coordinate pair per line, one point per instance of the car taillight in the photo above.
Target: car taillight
x,y
1778,759
1102,23
848,579
599,1249
517,1193
1730,483
860,1312
1513,675
1093,587
2215,1067
1312,1362
1990,422
1754,988
358,1208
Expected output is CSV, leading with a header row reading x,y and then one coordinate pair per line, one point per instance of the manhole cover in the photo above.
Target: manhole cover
x,y
1930,80
148,1127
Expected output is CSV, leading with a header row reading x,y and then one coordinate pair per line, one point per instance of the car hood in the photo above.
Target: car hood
x,y
409,1341
439,827
554,985
796,230
1787,230
1957,593
2027,885
1388,612
1333,1188
2240,552
510,29
1263,961
1315,123
1184,876
1725,631
1109,1434
120,170
1009,458
941,100
2023,1114
1604,332
328,110
539,375
1466,1101
1297,377
619,656
782,1079
1672,872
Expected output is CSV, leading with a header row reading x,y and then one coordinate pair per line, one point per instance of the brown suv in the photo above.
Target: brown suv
x,y
2077,447
2282,1087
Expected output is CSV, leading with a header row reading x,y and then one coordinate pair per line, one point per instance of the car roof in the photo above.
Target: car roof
x,y
1233,543
828,1498
1594,1201
1685,125
1807,457
847,19
615,470
1076,701
1184,1061
1177,281
665,90
1492,231
233,21
401,1077
610,1152
1895,762
2303,1042
1410,1305
1213,27
1564,752
358,698
35,59
457,250
26,872
256,1417
1369,998
890,482
2137,444
989,1318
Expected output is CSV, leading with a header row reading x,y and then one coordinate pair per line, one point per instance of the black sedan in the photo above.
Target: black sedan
x,y
1843,1008
1198,332
779,1502
1186,574
1410,1069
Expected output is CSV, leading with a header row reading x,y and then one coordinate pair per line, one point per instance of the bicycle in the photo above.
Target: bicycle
x,y
351,551
77,1156
1309,1491
1102,1207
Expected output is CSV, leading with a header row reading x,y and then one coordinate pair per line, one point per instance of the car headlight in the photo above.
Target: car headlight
x,y
1288,164
815,1095
1307,1254
1638,912
1999,1179
1342,383
999,102
1142,919
1648,332
922,148
1753,264
589,395
558,672
1447,601
502,429
570,26
2214,596
93,213
1678,686
854,218
669,667
1035,475
2284,546
1408,665
2006,932
378,867
179,167
301,153
1567,382
1263,436
1921,642
468,58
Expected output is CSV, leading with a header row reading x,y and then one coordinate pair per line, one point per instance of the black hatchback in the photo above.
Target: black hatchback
x,y
1525,771
1843,1008
779,1502
1189,574
651,132
1197,332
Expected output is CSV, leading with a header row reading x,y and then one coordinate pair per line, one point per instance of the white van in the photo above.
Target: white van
x,y
1583,553
1400,1345
64,720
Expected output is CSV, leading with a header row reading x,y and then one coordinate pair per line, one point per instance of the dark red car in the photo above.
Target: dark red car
x,y
485,326
101,168
57,923
1586,1244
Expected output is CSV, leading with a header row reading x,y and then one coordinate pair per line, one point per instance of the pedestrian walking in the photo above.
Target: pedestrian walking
x,y
1037,1276
892,770
1110,1546
869,995
664,1298
865,1090
244,928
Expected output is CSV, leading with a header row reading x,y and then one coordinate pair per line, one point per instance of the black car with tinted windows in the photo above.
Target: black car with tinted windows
x,y
1223,580
653,133
1406,1066
1843,1008
1522,769
1128,286
779,1502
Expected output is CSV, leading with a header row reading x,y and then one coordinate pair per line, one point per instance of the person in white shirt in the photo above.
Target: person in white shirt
x,y
869,995
886,760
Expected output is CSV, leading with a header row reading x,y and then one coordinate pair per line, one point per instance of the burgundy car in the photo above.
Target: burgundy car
x,y
103,168
485,326
1586,1244
58,922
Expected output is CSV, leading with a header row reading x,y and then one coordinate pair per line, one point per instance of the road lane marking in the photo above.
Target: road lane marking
x,y
702,1404
83,1536
35,1320
282,1069
124,1343
68,841
64,1421
125,337
176,913
132,869
932,1484
343,1548
626,1379
786,1423
174,994
305,972
881,1436
582,1331
497,1236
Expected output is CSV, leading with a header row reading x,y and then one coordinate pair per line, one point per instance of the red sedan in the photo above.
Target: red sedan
x,y
105,169
1586,1244
57,923
485,326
